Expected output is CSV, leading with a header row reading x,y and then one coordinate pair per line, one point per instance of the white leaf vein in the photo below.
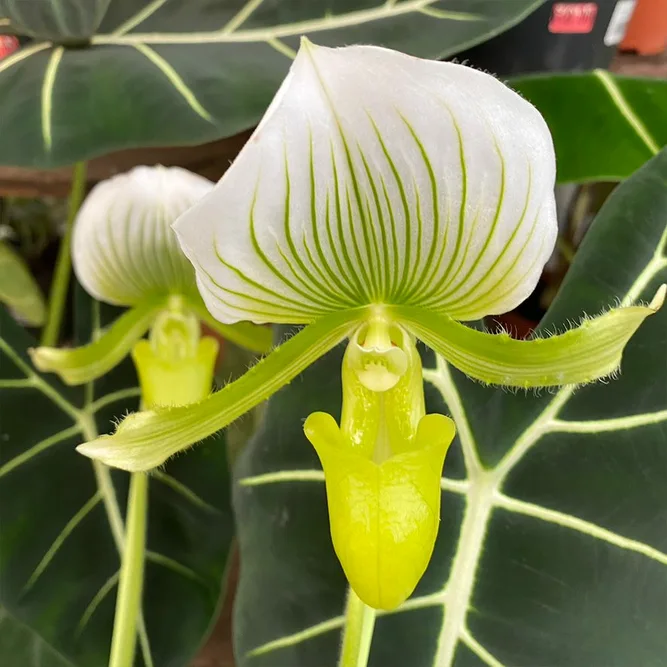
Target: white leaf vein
x,y
47,96
61,538
176,81
580,525
480,651
295,29
626,110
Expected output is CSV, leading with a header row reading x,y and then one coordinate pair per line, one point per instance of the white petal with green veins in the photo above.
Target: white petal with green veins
x,y
376,177
124,249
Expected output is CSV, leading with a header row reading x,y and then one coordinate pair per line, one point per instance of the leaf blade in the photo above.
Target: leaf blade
x,y
584,109
189,51
57,575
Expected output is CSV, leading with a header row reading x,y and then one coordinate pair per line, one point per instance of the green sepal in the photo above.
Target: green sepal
x,y
89,362
18,288
590,351
146,440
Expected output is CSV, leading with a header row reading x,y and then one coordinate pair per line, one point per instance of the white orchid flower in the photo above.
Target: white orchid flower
x,y
125,253
123,249
382,199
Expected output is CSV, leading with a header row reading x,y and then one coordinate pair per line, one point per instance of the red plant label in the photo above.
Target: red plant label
x,y
573,17
8,45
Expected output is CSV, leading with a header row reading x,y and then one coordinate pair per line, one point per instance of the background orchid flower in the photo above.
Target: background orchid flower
x,y
384,199
125,253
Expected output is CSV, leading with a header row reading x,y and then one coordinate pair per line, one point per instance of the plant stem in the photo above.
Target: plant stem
x,y
128,602
358,632
188,380
58,294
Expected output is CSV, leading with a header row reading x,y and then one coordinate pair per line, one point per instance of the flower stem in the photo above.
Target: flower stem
x,y
357,633
128,602
174,366
58,294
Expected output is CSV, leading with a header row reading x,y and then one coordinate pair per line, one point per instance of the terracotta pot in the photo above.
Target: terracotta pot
x,y
647,30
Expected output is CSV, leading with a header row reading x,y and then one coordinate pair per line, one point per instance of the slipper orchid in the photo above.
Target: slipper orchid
x,y
382,199
125,253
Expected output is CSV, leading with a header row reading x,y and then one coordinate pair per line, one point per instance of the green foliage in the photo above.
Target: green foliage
x,y
164,72
552,548
604,126
62,520
18,288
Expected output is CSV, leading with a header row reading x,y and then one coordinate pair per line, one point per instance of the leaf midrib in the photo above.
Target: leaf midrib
x,y
353,18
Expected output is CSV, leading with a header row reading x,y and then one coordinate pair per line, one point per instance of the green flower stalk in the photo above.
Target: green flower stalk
x,y
382,199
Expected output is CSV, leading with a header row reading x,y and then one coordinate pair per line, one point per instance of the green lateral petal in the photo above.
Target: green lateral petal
x,y
253,337
18,288
146,440
589,352
83,364
124,249
376,177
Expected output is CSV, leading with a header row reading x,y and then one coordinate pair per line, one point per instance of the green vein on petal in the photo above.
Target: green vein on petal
x,y
430,266
322,264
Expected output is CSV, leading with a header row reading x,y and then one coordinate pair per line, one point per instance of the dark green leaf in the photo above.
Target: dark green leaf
x,y
63,21
61,522
18,289
552,547
167,72
604,126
